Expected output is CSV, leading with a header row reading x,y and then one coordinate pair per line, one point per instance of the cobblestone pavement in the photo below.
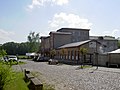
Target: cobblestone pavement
x,y
68,77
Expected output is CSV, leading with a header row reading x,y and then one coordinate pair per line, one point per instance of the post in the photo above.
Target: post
x,y
96,58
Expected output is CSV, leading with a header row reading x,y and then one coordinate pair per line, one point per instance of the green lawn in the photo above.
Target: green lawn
x,y
15,80
18,83
13,63
23,57
11,80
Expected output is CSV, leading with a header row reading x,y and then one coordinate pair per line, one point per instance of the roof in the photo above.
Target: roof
x,y
72,29
44,37
67,33
104,37
76,44
115,51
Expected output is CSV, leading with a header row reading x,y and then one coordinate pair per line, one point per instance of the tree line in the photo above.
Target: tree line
x,y
32,45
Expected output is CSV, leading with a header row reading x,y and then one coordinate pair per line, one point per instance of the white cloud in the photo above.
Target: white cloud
x,y
115,33
5,36
60,2
92,33
35,3
38,3
69,20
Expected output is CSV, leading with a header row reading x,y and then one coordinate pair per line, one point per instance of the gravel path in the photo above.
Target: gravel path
x,y
68,77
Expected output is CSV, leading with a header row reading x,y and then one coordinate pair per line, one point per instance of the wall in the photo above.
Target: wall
x,y
114,58
109,45
73,53
47,44
61,39
102,59
77,34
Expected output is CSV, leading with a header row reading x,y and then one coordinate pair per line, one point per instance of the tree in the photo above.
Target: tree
x,y
83,52
52,53
34,43
10,48
63,52
2,53
23,48
13,48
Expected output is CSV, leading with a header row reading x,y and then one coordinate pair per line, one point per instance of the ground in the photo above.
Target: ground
x,y
68,77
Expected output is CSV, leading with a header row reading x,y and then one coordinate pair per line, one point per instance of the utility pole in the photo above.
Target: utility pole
x,y
96,58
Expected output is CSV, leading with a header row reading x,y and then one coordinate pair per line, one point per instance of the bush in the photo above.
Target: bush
x,y
18,83
6,75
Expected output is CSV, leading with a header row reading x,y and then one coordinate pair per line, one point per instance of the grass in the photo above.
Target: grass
x,y
14,63
87,66
46,86
10,80
83,67
23,57
18,83
20,62
6,75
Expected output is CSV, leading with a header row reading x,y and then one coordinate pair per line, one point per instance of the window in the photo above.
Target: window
x,y
79,34
73,33
73,40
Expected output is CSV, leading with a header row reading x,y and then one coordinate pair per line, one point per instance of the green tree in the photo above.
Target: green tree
x,y
63,52
52,53
34,43
10,47
7,76
13,48
2,53
23,48
83,52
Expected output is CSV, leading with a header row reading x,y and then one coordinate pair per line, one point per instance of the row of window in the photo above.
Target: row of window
x,y
80,33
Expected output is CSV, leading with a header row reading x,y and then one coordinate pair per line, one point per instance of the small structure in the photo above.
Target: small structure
x,y
31,54
114,57
108,43
71,52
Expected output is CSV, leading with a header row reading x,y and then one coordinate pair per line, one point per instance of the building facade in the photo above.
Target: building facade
x,y
71,52
108,43
61,37
76,34
45,46
58,39
67,43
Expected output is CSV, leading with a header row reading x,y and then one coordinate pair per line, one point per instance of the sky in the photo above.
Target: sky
x,y
20,17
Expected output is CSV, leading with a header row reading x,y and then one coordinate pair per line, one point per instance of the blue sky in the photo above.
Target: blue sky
x,y
19,17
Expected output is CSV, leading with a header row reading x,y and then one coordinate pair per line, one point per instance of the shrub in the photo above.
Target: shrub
x,y
6,75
